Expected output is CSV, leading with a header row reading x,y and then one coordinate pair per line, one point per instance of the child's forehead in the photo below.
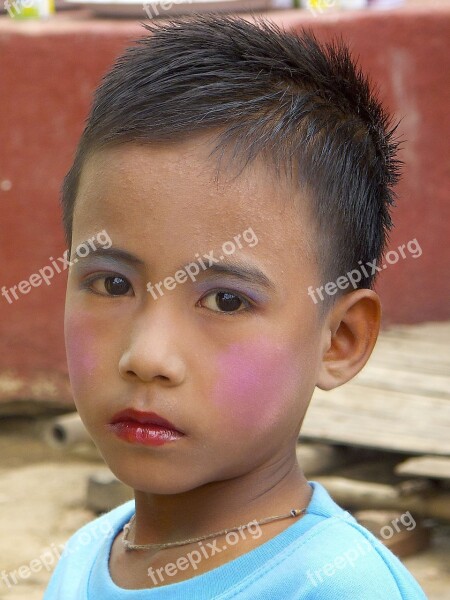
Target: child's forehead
x,y
170,193
180,181
195,161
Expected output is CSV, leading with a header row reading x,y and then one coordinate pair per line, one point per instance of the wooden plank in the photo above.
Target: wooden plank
x,y
411,353
403,380
400,401
428,351
380,418
428,362
369,495
435,467
439,332
422,348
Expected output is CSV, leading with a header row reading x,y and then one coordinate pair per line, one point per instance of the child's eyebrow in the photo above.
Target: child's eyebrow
x,y
116,254
236,268
241,270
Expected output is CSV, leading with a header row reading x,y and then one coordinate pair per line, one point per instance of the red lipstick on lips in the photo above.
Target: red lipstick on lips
x,y
145,428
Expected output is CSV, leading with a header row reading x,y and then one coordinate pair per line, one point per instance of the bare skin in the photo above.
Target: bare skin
x,y
129,569
236,382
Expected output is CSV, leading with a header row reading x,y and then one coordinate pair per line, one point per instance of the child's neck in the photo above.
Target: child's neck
x,y
266,492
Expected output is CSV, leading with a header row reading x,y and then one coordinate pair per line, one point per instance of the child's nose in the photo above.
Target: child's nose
x,y
154,351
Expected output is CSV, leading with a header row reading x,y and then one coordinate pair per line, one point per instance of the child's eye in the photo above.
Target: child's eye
x,y
223,301
113,285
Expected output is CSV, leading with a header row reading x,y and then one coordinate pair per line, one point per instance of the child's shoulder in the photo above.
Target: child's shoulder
x,y
82,549
94,533
343,559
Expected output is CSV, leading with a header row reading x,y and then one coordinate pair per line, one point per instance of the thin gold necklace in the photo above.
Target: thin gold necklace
x,y
295,512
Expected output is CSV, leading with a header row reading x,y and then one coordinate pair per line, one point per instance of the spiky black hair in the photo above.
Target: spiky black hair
x,y
305,107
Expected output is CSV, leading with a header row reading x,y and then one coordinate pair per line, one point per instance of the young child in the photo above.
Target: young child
x,y
233,166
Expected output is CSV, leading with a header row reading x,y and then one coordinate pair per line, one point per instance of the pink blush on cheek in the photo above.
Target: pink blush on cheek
x,y
254,383
80,351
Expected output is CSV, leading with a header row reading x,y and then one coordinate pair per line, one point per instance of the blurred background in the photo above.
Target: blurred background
x,y
380,444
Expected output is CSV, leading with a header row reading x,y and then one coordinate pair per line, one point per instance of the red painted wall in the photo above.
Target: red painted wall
x,y
47,74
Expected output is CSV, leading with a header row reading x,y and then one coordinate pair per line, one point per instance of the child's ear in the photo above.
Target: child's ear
x,y
350,331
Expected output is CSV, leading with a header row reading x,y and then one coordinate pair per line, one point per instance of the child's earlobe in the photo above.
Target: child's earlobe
x,y
352,324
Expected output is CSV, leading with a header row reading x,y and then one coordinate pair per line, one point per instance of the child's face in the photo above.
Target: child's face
x,y
235,373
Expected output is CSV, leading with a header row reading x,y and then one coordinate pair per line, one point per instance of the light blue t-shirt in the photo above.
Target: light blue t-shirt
x,y
324,555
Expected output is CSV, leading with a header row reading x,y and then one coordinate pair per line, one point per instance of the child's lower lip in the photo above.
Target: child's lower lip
x,y
142,433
